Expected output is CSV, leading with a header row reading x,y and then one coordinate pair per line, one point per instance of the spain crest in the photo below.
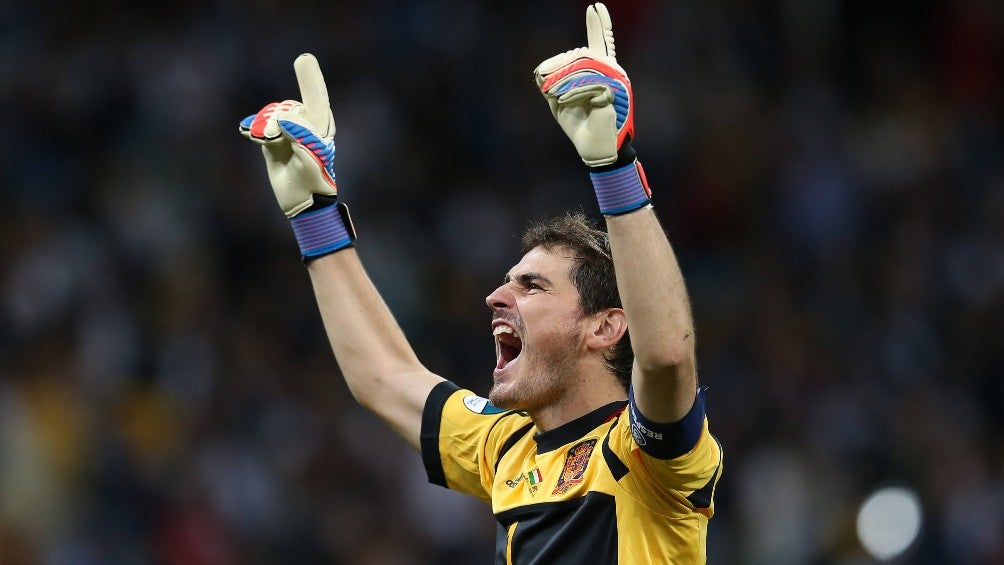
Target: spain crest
x,y
576,461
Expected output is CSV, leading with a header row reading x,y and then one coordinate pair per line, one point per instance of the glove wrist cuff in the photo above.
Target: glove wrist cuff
x,y
323,230
621,190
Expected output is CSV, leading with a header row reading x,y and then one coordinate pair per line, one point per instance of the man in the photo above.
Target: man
x,y
590,448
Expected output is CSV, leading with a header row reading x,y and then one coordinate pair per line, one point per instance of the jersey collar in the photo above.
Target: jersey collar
x,y
567,433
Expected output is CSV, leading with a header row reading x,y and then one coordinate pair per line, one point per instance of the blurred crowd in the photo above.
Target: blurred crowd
x,y
830,173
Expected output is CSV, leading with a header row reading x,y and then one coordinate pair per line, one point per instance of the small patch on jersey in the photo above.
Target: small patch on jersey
x,y
480,405
576,461
513,483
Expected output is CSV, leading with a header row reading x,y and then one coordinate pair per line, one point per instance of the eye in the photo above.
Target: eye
x,y
533,286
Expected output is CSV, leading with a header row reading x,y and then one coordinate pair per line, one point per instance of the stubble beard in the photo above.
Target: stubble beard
x,y
545,374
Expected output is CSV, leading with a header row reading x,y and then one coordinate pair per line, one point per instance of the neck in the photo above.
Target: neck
x,y
586,395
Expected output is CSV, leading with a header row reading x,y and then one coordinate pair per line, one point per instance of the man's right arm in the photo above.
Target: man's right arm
x,y
379,365
297,142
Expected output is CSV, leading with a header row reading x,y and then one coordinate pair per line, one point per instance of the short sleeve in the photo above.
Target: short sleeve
x,y
670,461
461,439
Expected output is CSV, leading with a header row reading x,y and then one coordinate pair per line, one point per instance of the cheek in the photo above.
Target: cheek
x,y
558,336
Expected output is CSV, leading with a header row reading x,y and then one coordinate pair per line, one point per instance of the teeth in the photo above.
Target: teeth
x,y
502,330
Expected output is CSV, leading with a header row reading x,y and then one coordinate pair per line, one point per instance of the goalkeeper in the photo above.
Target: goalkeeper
x,y
590,447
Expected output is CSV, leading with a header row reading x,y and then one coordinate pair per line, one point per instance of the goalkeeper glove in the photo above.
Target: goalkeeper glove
x,y
298,142
591,98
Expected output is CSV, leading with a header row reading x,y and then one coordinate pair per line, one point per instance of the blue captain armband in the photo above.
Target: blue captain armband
x,y
667,441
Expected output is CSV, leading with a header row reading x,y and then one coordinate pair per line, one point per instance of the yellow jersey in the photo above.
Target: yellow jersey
x,y
608,487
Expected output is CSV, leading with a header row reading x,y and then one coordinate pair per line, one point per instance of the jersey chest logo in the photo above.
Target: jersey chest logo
x,y
576,461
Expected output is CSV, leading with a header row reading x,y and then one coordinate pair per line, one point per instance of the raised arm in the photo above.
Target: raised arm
x,y
591,98
380,368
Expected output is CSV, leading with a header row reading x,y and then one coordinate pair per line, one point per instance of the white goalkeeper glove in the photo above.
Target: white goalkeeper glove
x,y
591,98
297,140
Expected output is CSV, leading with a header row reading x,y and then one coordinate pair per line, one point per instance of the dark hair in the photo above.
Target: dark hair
x,y
592,274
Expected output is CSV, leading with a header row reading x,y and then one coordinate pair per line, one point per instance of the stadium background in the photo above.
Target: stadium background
x,y
830,173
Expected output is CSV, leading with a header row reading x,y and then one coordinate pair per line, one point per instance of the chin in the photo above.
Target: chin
x,y
509,397
500,399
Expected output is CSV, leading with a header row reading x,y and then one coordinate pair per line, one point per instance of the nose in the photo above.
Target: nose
x,y
500,298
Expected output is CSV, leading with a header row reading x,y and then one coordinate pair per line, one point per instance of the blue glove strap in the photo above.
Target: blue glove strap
x,y
621,190
321,231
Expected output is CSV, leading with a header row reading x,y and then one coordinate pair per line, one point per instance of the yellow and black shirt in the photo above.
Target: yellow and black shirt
x,y
608,487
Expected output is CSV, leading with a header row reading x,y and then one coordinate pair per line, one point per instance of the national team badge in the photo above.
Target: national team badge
x,y
534,476
576,462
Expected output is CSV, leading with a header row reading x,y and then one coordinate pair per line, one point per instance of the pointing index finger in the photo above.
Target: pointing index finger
x,y
599,31
313,92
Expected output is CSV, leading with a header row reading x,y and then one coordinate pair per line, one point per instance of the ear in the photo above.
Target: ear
x,y
606,328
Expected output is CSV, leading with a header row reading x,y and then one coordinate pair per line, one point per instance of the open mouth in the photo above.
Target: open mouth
x,y
508,345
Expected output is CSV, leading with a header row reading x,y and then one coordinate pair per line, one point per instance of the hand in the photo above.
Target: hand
x,y
297,140
590,94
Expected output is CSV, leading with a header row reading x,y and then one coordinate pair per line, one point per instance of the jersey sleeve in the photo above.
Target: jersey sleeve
x,y
461,438
676,462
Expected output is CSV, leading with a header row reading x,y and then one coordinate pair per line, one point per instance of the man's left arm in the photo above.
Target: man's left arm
x,y
655,300
591,97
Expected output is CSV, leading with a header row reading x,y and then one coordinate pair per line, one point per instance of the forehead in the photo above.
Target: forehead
x,y
555,264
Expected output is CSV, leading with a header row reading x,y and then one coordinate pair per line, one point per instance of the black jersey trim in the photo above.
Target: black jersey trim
x,y
521,512
432,417
617,467
702,497
511,441
565,433
579,530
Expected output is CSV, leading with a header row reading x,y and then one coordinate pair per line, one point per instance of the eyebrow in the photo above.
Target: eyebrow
x,y
526,278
